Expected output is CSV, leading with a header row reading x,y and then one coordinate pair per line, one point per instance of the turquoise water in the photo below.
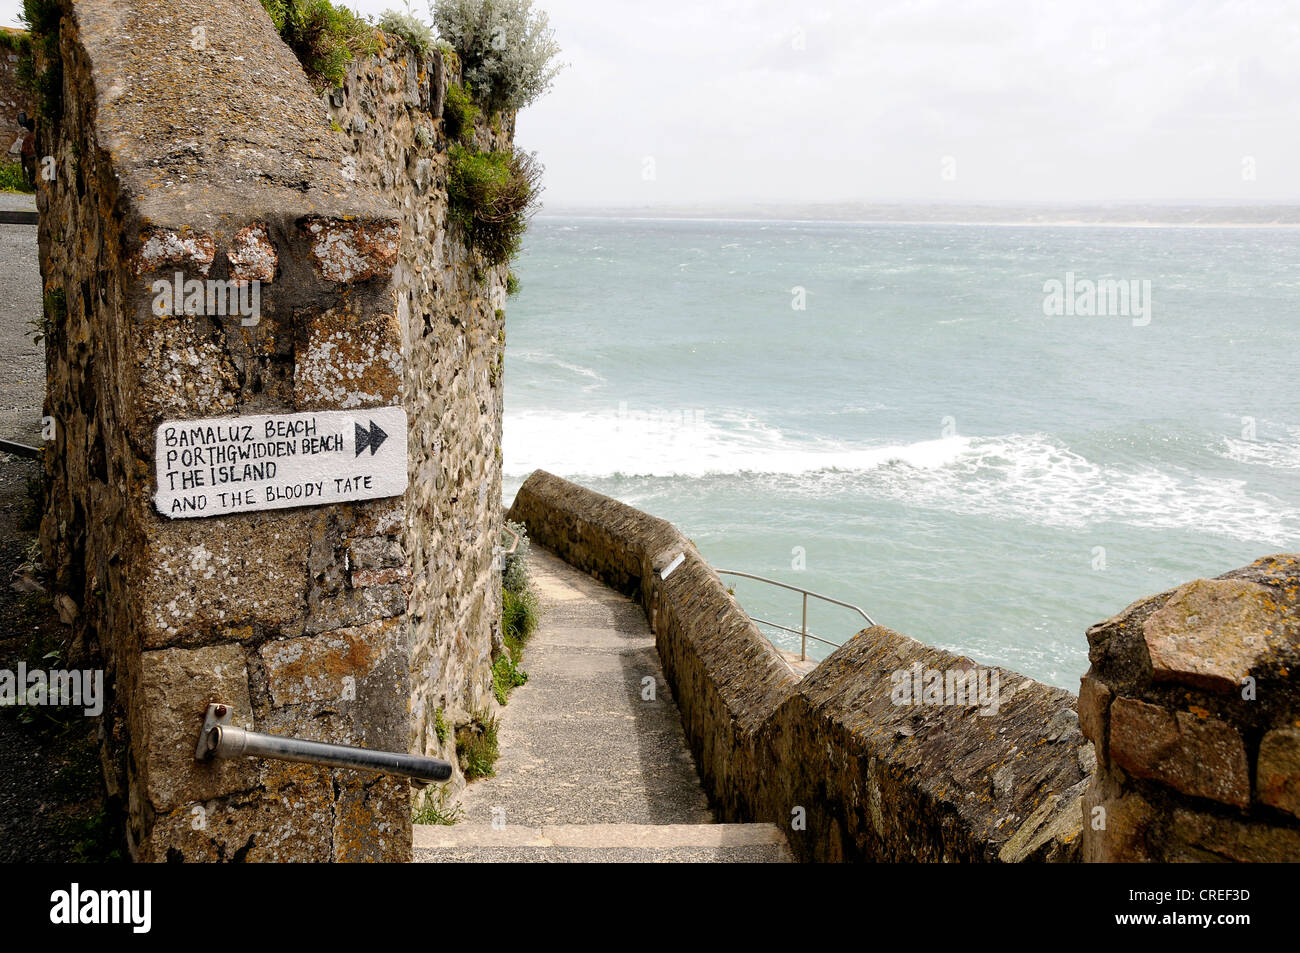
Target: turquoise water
x,y
922,439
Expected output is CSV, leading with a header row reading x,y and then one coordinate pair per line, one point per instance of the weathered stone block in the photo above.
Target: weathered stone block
x,y
177,685
372,819
349,361
197,579
1277,772
1211,633
397,575
379,517
182,372
355,607
375,552
252,255
1116,826
1203,757
281,826
165,248
1202,837
316,668
353,251
1094,710
1050,834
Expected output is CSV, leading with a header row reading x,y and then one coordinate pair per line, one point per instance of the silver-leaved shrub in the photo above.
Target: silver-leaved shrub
x,y
506,48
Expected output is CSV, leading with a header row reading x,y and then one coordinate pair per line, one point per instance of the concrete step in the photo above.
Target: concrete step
x,y
601,843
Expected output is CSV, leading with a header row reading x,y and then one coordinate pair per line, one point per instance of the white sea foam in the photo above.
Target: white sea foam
x,y
1280,455
1021,477
686,442
1032,478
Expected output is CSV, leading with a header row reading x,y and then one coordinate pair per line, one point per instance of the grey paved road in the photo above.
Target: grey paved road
x,y
22,363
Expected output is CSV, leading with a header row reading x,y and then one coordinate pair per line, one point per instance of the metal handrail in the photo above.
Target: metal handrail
x,y
20,449
221,739
503,553
803,633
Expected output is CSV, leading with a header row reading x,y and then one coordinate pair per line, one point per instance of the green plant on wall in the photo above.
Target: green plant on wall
x,y
15,41
324,37
519,610
506,675
437,809
519,613
459,114
505,52
477,747
409,27
42,18
12,178
491,196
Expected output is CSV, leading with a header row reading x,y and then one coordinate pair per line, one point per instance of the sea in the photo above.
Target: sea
x,y
929,421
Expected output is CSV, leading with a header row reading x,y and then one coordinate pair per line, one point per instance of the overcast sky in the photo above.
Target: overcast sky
x,y
760,100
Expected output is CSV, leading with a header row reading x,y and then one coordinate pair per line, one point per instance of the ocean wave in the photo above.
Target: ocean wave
x,y
1017,477
1267,453
1032,478
547,360
686,442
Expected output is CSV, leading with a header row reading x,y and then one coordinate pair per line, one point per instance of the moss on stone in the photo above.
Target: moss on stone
x,y
459,114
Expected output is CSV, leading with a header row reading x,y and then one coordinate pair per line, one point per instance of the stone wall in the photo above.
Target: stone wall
x,y
219,161
13,98
830,759
1193,705
450,311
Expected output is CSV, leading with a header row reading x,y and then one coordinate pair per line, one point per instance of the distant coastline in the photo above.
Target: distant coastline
x,y
987,214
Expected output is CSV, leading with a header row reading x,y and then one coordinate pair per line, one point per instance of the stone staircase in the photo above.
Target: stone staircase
x,y
594,765
602,843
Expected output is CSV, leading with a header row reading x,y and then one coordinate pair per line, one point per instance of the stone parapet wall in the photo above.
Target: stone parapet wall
x,y
830,759
218,161
450,312
1193,703
905,782
14,99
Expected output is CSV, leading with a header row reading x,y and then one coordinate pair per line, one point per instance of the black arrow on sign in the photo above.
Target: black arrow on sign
x,y
372,438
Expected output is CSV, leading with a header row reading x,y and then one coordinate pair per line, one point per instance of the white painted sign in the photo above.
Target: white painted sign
x,y
220,465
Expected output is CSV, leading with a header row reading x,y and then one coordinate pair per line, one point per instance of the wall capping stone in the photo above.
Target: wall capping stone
x,y
1192,703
